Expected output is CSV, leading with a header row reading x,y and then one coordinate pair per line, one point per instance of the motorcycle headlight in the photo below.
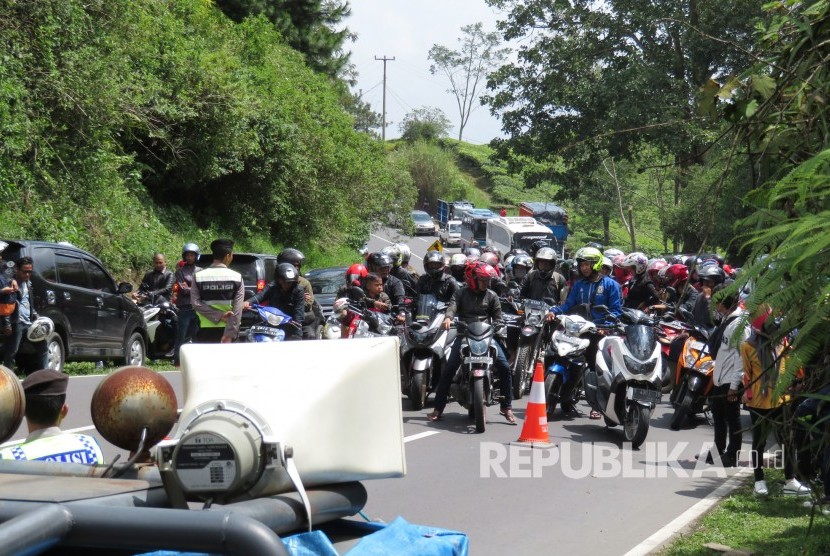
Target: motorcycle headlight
x,y
479,347
532,320
639,368
572,327
275,320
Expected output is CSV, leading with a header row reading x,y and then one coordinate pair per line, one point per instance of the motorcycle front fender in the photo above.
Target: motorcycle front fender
x,y
420,364
529,332
695,383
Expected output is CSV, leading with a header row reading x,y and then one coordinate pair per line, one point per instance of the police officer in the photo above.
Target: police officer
x,y
45,392
217,296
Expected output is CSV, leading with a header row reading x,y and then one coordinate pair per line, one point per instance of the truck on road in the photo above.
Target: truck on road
x,y
552,217
451,210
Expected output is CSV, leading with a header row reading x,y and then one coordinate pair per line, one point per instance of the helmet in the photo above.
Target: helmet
x,y
394,253
406,253
638,260
355,272
711,272
673,274
473,254
286,272
590,254
458,259
612,252
606,262
536,245
41,329
490,258
191,248
546,254
292,256
434,263
654,267
378,260
595,245
477,270
522,260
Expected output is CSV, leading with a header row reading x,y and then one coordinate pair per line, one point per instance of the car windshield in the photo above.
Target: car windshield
x,y
420,217
326,281
454,228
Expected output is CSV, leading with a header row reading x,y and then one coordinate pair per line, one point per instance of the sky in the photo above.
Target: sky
x,y
406,30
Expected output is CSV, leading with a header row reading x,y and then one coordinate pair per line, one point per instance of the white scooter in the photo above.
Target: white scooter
x,y
625,383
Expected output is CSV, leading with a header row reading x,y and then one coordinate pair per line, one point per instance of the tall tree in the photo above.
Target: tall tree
x,y
424,124
466,68
597,79
312,27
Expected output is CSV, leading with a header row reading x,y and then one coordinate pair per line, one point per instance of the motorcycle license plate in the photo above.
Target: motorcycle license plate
x,y
267,330
478,359
642,395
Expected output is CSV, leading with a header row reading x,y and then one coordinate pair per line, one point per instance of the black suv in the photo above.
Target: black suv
x,y
93,320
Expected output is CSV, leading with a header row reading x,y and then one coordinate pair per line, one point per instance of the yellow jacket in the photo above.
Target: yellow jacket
x,y
755,396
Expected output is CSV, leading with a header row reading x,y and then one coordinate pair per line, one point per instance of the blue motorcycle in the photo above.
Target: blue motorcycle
x,y
271,327
565,358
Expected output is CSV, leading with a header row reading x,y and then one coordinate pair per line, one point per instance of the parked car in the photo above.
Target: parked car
x,y
94,321
423,223
324,283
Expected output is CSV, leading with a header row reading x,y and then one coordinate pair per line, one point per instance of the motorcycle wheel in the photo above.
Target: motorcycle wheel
x,y
417,391
682,409
553,388
636,424
520,374
478,404
668,374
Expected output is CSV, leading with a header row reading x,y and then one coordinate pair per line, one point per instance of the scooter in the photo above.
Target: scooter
x,y
625,383
270,328
473,386
162,320
565,357
694,378
425,348
667,330
529,345
356,321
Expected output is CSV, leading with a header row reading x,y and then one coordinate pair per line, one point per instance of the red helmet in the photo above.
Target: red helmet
x,y
355,272
673,275
654,267
478,270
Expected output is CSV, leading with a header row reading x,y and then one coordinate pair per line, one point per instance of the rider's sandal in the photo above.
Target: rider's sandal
x,y
434,416
595,415
508,414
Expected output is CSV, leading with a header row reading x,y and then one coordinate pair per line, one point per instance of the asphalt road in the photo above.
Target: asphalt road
x,y
588,494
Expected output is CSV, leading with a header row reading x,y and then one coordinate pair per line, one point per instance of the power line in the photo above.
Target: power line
x,y
384,59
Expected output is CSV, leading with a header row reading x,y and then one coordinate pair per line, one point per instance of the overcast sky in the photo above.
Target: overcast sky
x,y
406,30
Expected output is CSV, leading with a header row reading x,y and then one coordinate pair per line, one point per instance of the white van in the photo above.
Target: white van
x,y
451,235
516,232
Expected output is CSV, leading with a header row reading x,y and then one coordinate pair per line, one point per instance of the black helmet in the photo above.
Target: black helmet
x,y
536,245
190,248
711,272
434,263
291,256
286,272
378,260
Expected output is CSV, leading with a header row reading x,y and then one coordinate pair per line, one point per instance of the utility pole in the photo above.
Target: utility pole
x,y
384,60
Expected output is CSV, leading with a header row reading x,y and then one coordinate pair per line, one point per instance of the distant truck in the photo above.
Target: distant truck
x,y
451,210
552,217
451,234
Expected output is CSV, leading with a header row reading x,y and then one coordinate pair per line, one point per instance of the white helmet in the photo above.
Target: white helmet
x,y
612,252
41,329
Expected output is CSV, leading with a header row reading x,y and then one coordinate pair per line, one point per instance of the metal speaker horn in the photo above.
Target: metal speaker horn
x,y
131,400
12,403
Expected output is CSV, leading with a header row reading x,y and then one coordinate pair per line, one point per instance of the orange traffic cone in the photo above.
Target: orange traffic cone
x,y
535,428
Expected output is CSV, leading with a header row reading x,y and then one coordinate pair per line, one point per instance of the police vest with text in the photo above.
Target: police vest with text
x,y
217,287
66,448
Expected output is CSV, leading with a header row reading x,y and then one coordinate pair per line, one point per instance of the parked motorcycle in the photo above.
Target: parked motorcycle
x,y
625,383
694,378
271,325
565,357
474,386
529,345
162,319
667,330
425,348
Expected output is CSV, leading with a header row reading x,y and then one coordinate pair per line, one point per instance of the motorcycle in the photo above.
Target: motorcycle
x,y
693,378
270,328
473,386
425,348
356,321
529,345
625,383
162,320
565,356
667,330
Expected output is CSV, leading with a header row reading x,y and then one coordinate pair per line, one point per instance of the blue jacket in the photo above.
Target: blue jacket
x,y
607,293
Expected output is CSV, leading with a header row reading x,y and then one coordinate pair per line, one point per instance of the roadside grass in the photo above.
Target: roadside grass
x,y
91,368
776,524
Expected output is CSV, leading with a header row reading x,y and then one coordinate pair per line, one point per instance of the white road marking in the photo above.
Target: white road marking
x,y
418,436
668,533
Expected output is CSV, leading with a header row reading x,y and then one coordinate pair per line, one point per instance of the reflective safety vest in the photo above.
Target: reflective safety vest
x,y
217,288
67,448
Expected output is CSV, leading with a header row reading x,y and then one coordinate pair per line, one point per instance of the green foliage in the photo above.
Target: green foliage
x,y
424,124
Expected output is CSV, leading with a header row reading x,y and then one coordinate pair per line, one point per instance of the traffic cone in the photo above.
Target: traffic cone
x,y
535,428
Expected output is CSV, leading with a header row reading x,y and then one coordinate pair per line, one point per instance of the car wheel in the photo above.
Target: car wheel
x,y
134,353
54,352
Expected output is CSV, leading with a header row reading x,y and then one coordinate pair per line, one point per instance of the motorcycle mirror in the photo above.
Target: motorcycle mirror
x,y
125,287
356,293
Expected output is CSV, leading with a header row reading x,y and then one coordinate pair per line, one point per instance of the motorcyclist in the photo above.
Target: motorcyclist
x,y
475,302
544,282
710,275
381,264
354,277
641,290
607,266
313,311
497,284
156,284
520,267
188,322
398,271
286,294
534,248
456,269
406,256
434,281
592,289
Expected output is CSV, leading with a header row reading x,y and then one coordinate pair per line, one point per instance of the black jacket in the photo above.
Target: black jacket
x,y
641,292
470,305
291,303
443,287
535,286
158,283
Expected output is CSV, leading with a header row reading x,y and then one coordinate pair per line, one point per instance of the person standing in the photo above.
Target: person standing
x,y
218,295
45,392
22,317
188,323
158,283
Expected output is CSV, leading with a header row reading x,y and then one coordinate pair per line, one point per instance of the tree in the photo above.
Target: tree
x,y
467,67
600,79
365,119
424,124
